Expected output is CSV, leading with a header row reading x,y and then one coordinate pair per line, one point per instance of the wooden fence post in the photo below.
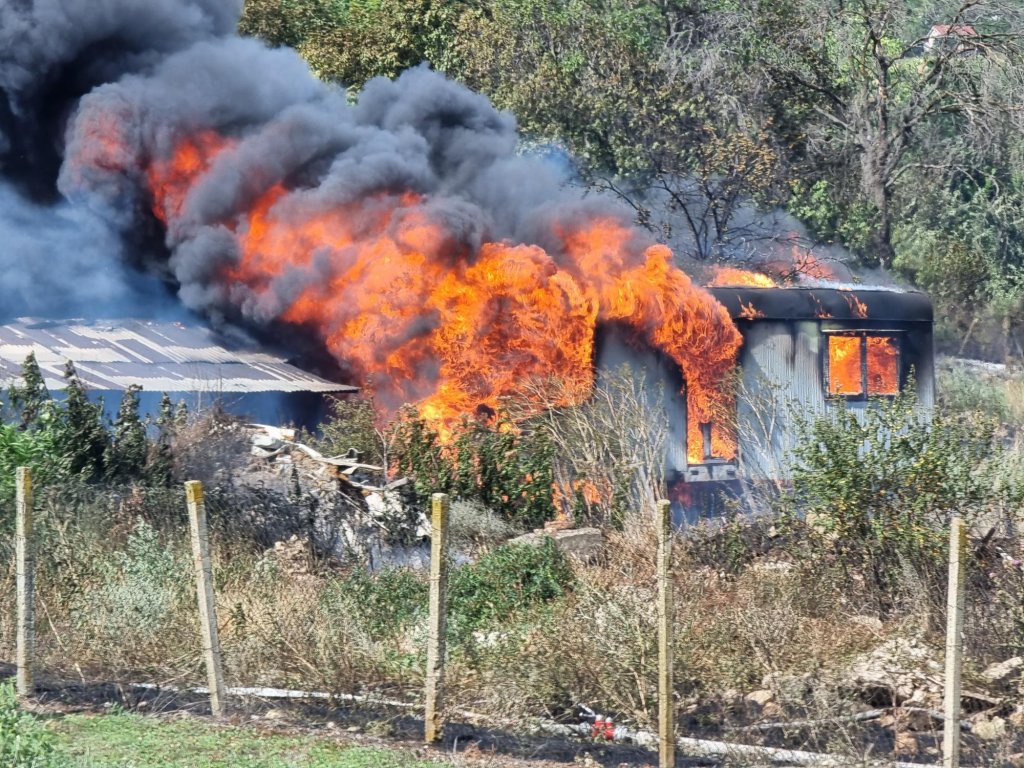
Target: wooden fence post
x,y
954,643
435,639
666,614
204,589
24,543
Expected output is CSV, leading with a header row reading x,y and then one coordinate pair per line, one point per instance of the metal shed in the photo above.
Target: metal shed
x,y
189,362
809,349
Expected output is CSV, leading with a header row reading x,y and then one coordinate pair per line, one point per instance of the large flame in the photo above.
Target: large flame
x,y
400,302
734,276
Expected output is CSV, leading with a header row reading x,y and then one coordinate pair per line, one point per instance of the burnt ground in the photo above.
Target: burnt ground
x,y
466,743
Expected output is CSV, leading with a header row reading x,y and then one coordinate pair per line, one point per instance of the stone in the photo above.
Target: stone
x,y
893,672
905,743
989,729
760,697
582,543
1004,672
869,622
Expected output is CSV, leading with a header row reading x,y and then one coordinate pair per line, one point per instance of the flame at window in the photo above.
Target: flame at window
x,y
883,365
844,370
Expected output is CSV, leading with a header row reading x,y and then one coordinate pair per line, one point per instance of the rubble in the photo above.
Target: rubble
x,y
345,507
582,543
1005,672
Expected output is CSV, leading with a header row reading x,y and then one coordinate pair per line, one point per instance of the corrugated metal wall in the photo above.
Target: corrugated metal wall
x,y
782,374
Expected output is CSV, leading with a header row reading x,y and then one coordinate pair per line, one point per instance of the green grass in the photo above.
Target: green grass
x,y
135,741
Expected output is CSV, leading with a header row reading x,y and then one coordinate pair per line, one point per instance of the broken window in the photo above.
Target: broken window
x,y
862,364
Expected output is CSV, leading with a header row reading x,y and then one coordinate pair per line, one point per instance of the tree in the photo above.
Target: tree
x,y
126,454
28,398
646,100
884,98
161,460
82,426
350,42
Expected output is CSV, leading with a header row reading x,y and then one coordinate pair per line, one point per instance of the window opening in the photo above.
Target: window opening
x,y
863,364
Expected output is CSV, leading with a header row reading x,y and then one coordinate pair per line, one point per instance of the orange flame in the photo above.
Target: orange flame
x,y
733,276
857,307
844,365
749,312
398,301
882,365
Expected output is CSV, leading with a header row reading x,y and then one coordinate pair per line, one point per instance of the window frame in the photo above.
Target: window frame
x,y
863,334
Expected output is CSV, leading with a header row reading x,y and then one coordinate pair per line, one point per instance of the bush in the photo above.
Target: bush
x,y
386,602
878,487
24,741
509,579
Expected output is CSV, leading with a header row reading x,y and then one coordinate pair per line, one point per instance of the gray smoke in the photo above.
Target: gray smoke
x,y
57,257
420,133
93,93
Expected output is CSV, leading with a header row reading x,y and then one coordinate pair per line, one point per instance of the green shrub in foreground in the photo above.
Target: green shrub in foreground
x,y
509,579
24,741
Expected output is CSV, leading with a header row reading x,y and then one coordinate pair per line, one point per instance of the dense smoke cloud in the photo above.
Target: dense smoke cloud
x,y
57,258
403,232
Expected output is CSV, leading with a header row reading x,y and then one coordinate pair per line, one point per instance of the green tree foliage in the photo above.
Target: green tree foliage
x,y
42,450
348,42
126,454
81,427
27,399
880,485
160,464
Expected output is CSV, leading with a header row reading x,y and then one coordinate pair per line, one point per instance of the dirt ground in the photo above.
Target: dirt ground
x,y
464,744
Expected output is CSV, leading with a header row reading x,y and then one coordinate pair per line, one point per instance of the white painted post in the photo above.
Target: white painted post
x,y
26,584
204,589
666,614
954,643
433,694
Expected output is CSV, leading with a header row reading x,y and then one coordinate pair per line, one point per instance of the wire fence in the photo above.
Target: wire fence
x,y
151,618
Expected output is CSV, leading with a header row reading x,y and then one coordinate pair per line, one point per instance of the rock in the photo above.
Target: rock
x,y
760,697
905,743
645,739
1004,672
895,672
582,543
870,622
989,729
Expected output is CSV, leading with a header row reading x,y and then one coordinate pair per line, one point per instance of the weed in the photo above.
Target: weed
x,y
24,741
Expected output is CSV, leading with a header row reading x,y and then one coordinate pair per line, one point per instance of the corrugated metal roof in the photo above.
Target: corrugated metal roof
x,y
158,356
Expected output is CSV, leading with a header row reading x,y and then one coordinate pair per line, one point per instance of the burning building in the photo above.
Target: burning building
x,y
812,349
157,157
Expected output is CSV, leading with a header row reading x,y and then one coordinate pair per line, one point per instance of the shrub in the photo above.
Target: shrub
x,y
24,741
385,602
505,466
509,579
878,487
